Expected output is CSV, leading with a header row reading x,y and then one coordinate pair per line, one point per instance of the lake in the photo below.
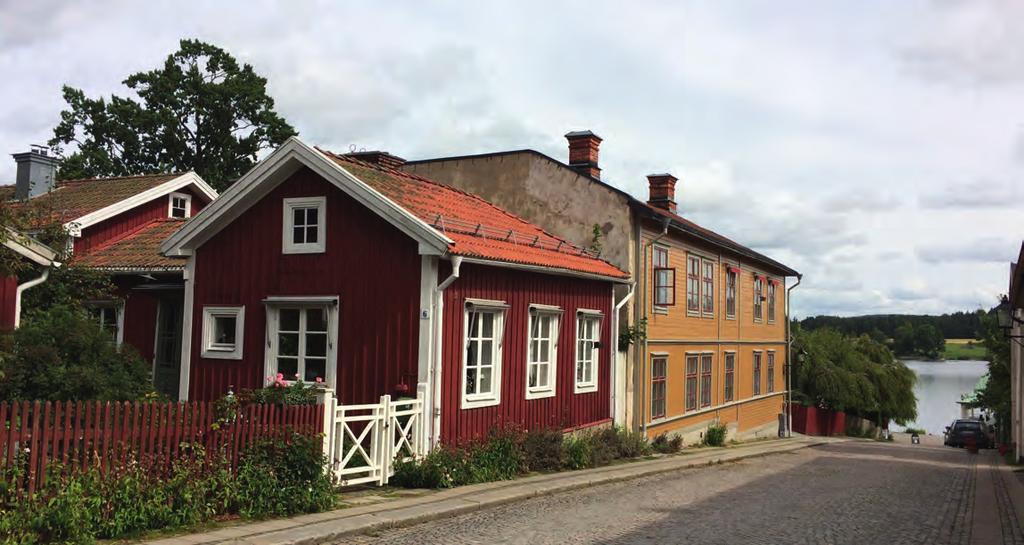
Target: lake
x,y
938,388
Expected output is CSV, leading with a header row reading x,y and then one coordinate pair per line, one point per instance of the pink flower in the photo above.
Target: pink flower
x,y
280,376
319,380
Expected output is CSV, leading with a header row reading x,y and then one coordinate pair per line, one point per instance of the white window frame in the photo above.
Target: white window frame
x,y
555,313
212,351
587,386
735,276
118,307
661,308
188,204
704,277
499,309
273,307
288,223
758,308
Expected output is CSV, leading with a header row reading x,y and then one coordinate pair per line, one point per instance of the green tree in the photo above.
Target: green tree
x,y
928,341
904,341
200,111
996,396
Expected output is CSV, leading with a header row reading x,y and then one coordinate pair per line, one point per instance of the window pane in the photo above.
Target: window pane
x,y
288,344
471,380
533,350
474,324
545,326
485,380
311,235
289,319
533,376
298,235
312,216
288,367
315,368
545,347
316,319
316,344
487,319
542,371
299,217
472,354
224,329
486,352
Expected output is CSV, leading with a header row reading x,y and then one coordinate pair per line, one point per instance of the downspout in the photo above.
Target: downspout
x,y
435,379
21,289
643,361
615,349
789,360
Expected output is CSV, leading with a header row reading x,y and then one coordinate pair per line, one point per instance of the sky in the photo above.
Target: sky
x,y
875,146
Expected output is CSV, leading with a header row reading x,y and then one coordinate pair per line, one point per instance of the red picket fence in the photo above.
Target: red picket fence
x,y
815,421
85,434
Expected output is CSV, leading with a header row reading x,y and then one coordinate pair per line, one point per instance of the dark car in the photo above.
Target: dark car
x,y
961,430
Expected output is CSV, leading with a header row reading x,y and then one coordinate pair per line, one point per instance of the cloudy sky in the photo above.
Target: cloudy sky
x,y
876,146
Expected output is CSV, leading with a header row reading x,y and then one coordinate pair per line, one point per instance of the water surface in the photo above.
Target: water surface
x,y
938,388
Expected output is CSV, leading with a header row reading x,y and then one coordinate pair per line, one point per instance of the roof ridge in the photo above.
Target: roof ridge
x,y
409,175
110,178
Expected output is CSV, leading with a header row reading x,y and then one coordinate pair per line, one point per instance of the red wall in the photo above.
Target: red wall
x,y
8,292
815,421
139,315
128,221
519,289
370,265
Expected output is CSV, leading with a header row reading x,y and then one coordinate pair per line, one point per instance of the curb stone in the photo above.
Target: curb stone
x,y
318,528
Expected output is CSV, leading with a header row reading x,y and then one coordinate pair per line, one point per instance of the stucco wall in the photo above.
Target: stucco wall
x,y
545,193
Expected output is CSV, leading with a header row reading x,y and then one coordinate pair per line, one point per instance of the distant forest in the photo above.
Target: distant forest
x,y
958,325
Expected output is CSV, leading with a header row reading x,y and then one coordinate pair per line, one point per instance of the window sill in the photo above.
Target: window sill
x,y
584,388
660,310
215,354
540,394
293,250
478,403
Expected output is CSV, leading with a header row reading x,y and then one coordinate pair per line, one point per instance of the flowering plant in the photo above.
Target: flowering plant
x,y
278,391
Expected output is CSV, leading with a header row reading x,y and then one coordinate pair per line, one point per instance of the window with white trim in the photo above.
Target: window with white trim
x,y
588,335
542,352
692,364
730,293
222,332
179,205
664,279
301,343
110,317
305,222
757,372
758,298
708,287
770,370
771,300
692,284
706,363
481,369
730,376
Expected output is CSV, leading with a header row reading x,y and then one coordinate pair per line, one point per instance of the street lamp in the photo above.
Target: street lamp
x,y
1006,320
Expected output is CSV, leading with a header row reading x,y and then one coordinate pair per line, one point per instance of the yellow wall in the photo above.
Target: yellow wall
x,y
674,332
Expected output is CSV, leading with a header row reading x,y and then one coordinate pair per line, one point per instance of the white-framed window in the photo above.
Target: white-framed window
x,y
223,329
179,205
301,335
588,344
542,350
110,317
664,279
758,298
771,300
730,293
305,225
706,364
483,333
692,284
692,384
708,288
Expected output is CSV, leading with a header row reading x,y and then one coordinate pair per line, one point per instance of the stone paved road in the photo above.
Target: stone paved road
x,y
856,493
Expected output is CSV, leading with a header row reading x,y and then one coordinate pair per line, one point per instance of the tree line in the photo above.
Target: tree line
x,y
955,325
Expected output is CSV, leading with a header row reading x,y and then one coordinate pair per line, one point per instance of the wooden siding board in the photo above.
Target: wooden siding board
x,y
519,289
371,266
8,297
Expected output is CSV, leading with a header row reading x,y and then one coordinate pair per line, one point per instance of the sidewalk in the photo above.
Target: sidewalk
x,y
321,527
998,502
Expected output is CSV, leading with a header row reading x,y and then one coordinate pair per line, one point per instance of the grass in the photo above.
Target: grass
x,y
963,349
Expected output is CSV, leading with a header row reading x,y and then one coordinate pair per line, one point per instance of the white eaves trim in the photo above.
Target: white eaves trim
x,y
74,227
29,248
285,160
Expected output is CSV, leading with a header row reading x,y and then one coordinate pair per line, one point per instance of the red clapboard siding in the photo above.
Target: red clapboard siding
x,y
371,266
139,314
8,295
129,220
84,434
519,289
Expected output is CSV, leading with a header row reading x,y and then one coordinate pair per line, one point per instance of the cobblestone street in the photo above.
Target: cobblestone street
x,y
847,493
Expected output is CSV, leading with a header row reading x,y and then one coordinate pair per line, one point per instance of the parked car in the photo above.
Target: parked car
x,y
958,433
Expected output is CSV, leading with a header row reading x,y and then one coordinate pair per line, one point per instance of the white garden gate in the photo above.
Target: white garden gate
x,y
362,442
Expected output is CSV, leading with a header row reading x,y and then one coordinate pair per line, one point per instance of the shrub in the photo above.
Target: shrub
x,y
663,444
498,458
279,392
577,453
604,446
443,467
543,450
284,476
714,436
633,444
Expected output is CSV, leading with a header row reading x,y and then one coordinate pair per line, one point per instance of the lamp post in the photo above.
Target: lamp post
x,y
1006,320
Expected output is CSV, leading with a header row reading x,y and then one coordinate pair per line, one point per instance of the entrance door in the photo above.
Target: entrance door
x,y
167,352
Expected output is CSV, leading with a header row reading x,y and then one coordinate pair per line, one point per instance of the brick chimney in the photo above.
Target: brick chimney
x,y
381,158
662,191
583,147
37,172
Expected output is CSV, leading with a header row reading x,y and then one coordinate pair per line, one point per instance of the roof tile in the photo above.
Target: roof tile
x,y
137,250
72,199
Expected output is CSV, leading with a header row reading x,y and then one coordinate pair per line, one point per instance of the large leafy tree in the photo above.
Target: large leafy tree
x,y
200,111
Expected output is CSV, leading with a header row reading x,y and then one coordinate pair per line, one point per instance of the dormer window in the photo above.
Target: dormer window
x,y
304,222
179,205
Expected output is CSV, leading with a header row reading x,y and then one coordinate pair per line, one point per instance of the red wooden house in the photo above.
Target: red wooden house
x,y
343,269
116,226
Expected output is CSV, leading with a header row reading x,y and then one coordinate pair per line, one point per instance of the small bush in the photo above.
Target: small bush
x,y
633,444
498,458
915,431
714,436
282,477
443,467
663,444
577,452
543,449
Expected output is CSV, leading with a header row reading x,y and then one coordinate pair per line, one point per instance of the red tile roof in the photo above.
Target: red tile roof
x,y
478,228
137,250
72,199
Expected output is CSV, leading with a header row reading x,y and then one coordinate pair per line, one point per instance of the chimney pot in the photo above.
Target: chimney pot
x,y
37,172
583,149
662,191
380,158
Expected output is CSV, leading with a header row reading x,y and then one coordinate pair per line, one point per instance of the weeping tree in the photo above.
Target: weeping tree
x,y
856,375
